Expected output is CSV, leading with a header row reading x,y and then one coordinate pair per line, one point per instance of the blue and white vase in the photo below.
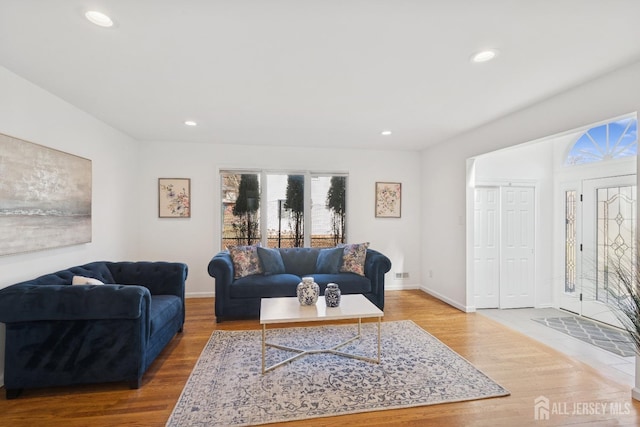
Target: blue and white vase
x,y
332,295
307,291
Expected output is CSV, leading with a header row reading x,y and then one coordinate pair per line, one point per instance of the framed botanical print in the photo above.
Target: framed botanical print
x,y
174,197
388,199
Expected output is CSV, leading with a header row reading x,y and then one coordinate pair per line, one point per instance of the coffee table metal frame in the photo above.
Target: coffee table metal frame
x,y
289,310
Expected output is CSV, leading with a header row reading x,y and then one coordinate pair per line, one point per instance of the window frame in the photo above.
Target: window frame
x,y
264,222
606,147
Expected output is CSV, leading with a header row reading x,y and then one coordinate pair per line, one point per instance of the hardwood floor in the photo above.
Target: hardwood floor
x,y
523,366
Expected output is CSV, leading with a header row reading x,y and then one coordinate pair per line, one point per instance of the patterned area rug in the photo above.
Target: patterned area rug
x,y
611,339
227,388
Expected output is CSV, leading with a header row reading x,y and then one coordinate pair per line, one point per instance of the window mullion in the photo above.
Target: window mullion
x,y
307,210
264,211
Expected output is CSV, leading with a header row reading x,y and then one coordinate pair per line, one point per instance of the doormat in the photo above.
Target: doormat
x,y
607,338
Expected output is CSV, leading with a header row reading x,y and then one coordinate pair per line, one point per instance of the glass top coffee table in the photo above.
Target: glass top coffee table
x,y
289,310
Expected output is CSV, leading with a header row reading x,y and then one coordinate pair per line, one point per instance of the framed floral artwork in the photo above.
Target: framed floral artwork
x,y
388,199
174,197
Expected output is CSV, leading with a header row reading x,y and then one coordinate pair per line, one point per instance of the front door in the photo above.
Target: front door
x,y
609,239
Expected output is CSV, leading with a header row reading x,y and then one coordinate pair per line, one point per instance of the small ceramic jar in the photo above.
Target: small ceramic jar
x,y
307,291
332,295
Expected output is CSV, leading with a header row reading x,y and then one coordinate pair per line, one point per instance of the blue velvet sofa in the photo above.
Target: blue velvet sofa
x,y
239,298
61,334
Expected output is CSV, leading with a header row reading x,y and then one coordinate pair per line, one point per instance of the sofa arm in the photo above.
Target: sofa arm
x,y
376,266
221,268
161,278
29,302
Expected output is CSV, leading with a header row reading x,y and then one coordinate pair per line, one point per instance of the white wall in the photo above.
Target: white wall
x,y
444,169
196,240
30,113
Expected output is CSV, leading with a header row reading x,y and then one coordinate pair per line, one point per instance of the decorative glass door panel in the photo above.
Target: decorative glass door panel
x,y
570,242
570,295
616,238
609,242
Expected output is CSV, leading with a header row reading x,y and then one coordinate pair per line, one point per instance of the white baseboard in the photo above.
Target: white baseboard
x,y
456,304
199,295
545,305
402,287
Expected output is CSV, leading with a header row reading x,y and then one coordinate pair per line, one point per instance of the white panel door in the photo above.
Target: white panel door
x,y
517,270
486,251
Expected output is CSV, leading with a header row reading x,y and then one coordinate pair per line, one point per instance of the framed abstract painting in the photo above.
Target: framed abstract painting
x,y
45,197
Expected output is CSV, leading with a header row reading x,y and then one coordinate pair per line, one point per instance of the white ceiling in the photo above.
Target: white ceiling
x,y
329,73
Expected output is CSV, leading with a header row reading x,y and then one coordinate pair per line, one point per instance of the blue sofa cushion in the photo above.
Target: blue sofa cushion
x,y
348,283
163,308
275,285
284,285
329,261
271,261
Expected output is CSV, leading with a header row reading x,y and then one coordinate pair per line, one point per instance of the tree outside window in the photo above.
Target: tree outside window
x,y
294,203
241,209
336,203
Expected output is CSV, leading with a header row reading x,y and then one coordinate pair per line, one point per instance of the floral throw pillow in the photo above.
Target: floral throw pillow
x,y
353,258
245,261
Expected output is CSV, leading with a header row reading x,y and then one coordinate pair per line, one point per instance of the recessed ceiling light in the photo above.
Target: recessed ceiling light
x,y
190,123
484,55
99,18
385,132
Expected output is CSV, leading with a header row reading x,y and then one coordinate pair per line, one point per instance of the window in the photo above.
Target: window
x,y
613,140
285,210
328,210
240,208
281,209
570,242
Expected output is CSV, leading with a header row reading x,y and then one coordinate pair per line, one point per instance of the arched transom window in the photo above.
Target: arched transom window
x,y
612,140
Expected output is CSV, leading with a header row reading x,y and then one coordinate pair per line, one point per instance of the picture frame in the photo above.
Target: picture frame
x,y
45,197
388,199
174,197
